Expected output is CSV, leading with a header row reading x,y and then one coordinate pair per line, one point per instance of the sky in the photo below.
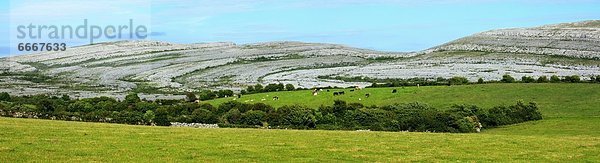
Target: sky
x,y
386,25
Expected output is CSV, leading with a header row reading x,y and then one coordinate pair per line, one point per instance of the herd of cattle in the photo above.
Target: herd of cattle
x,y
315,92
352,90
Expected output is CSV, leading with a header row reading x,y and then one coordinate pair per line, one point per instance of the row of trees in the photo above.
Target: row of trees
x,y
259,88
552,79
462,80
340,115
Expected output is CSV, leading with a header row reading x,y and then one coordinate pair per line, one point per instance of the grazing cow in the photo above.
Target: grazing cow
x,y
275,97
352,90
239,96
336,93
342,92
328,90
394,91
367,95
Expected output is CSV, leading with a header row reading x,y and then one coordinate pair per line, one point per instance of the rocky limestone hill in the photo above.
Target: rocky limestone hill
x,y
160,68
579,40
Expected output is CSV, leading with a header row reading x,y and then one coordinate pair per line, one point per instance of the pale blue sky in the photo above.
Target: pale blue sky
x,y
374,24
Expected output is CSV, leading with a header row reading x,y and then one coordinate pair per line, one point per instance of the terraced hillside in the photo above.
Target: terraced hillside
x,y
159,68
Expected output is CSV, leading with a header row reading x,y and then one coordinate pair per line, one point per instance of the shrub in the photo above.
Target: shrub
x,y
203,116
149,116
224,93
508,79
542,79
253,117
207,95
190,97
572,79
233,116
4,96
554,79
296,116
258,88
480,81
80,106
161,118
289,87
527,79
458,81
132,98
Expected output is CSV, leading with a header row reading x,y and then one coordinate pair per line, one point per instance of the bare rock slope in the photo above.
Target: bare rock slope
x,y
156,68
580,40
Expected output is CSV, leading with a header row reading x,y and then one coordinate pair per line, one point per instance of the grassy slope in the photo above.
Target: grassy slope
x,y
555,100
28,139
569,132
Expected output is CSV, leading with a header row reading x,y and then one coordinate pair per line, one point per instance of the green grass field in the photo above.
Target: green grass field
x,y
569,132
555,100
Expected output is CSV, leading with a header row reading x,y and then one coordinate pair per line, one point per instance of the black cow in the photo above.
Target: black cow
x,y
342,92
335,93
352,90
239,96
394,91
367,95
275,97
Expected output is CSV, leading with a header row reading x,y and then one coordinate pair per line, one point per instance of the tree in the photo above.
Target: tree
x,y
203,116
258,88
270,88
80,106
250,89
508,79
554,79
161,118
145,106
253,117
233,116
132,98
480,81
225,93
572,79
65,98
4,96
46,105
458,80
190,97
289,87
527,79
149,116
207,95
542,79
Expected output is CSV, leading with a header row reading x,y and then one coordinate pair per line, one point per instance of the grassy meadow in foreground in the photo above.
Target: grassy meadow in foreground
x,y
44,140
569,132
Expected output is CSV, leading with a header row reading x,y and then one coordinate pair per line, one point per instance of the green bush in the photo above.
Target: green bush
x,y
4,96
203,116
542,79
507,79
253,117
554,79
